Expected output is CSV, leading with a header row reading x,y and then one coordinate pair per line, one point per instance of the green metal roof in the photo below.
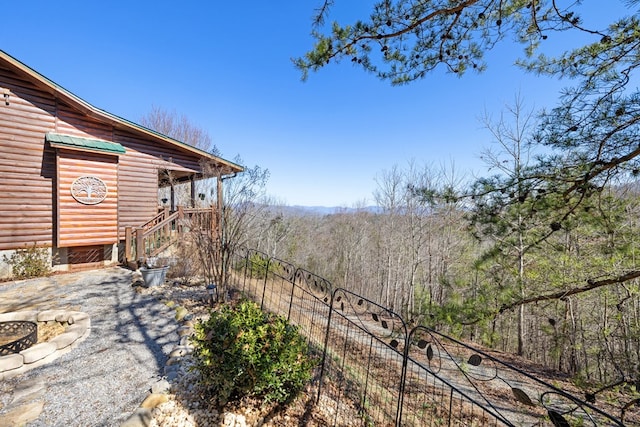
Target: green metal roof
x,y
77,143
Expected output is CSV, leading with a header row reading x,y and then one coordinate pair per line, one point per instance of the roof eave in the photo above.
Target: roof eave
x,y
112,119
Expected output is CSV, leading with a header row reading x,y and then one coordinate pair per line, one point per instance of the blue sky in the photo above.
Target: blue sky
x,y
227,67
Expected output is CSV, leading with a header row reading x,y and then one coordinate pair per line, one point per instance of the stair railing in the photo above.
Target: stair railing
x,y
163,230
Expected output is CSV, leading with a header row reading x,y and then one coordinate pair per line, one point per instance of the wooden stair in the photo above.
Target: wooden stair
x,y
159,233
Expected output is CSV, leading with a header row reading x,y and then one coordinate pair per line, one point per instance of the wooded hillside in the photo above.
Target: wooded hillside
x,y
561,294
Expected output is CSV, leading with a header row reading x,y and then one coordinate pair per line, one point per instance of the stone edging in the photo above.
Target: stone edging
x,y
78,328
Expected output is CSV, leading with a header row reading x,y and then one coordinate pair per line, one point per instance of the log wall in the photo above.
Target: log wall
x,y
28,185
27,168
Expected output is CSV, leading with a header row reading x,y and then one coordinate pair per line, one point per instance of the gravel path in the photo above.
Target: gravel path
x,y
104,379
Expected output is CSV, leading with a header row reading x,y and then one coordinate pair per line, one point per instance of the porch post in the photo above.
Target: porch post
x,y
180,220
167,227
141,254
221,240
219,205
173,198
128,242
193,190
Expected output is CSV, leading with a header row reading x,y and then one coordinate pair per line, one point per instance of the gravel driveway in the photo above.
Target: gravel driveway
x,y
104,379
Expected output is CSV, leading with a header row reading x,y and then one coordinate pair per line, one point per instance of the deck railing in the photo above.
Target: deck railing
x,y
157,234
373,365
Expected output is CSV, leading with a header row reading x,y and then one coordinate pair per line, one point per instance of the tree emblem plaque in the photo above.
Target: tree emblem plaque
x,y
89,190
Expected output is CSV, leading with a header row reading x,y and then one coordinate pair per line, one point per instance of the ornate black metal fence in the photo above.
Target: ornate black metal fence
x,y
375,367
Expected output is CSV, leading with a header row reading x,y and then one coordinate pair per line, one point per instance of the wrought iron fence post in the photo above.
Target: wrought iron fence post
x,y
293,288
450,404
403,374
246,269
326,343
264,287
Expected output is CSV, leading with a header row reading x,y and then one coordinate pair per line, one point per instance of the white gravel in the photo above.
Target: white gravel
x,y
104,379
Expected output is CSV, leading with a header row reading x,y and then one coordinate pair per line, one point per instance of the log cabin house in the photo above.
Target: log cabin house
x,y
76,179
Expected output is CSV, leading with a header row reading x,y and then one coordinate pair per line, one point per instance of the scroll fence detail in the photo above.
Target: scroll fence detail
x,y
373,366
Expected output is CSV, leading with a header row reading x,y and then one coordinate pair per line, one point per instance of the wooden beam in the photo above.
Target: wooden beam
x,y
128,237
193,190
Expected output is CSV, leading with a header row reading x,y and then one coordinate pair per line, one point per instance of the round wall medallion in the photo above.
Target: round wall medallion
x,y
89,190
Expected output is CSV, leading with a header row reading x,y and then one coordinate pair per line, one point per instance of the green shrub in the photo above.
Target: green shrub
x,y
241,351
258,265
29,262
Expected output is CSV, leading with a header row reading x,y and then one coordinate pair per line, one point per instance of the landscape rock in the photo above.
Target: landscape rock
x,y
28,391
140,418
49,315
171,369
180,351
233,420
11,361
31,316
79,329
173,361
181,312
64,317
161,386
153,400
65,339
184,331
20,415
38,351
172,375
75,317
86,322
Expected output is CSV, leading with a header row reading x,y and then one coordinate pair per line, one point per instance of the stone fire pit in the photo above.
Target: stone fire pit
x,y
77,327
16,336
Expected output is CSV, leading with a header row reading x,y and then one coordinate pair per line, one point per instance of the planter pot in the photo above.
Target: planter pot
x,y
154,276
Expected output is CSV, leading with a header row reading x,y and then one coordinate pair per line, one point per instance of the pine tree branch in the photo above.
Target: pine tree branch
x,y
591,284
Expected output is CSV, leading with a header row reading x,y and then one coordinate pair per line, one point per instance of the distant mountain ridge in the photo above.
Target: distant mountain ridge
x,y
324,210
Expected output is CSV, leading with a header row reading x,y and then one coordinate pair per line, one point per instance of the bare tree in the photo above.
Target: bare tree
x,y
216,239
216,234
179,127
419,232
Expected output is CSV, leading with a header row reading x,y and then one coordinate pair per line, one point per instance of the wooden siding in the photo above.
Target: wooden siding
x,y
28,184
139,177
27,168
80,224
138,167
74,123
